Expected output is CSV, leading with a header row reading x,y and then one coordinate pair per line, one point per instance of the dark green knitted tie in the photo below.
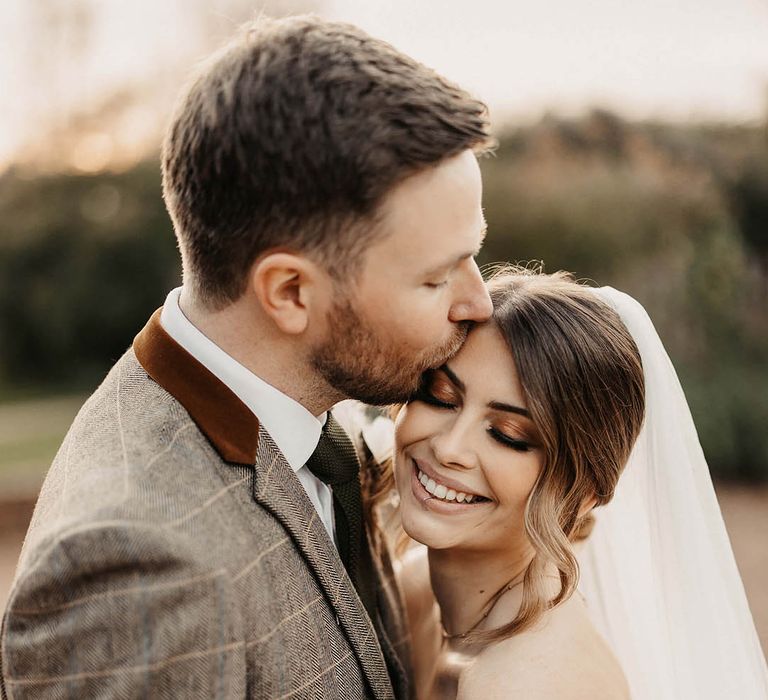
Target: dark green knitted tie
x,y
335,463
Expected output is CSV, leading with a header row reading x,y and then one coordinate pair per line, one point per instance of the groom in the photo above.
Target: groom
x,y
200,532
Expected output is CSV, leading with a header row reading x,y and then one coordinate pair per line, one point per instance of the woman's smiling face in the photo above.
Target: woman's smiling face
x,y
467,452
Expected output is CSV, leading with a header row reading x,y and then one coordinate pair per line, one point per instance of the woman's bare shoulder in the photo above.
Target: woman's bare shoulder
x,y
563,657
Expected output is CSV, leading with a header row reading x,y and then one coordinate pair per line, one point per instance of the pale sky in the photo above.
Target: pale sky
x,y
666,58
676,59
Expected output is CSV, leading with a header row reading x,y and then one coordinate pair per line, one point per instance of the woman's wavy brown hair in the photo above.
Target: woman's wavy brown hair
x,y
583,381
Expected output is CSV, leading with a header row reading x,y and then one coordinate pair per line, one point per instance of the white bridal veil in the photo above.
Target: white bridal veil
x,y
658,573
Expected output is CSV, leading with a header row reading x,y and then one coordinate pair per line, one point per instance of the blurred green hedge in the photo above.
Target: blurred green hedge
x,y
675,215
84,260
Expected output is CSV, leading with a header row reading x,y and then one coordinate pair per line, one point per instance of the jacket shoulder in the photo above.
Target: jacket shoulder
x,y
59,625
132,454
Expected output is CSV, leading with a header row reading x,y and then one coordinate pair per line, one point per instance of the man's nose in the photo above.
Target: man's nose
x,y
473,302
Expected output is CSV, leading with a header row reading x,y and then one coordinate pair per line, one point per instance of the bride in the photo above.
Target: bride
x,y
561,414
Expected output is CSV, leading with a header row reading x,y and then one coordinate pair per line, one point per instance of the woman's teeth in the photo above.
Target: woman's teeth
x,y
443,492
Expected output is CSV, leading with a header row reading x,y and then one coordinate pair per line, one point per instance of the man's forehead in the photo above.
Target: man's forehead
x,y
434,218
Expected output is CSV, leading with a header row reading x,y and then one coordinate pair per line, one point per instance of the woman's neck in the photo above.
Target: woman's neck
x,y
472,587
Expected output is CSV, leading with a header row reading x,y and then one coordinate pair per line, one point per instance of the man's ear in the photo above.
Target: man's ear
x,y
286,285
587,505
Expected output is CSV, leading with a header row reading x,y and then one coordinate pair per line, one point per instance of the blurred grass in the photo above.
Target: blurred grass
x,y
31,432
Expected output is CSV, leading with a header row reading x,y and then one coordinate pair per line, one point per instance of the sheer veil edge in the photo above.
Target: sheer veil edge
x,y
658,572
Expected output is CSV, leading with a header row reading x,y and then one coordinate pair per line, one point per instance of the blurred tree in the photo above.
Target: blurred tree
x,y
84,260
674,216
750,202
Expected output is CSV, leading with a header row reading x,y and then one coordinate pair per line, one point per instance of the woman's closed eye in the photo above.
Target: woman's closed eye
x,y
437,390
509,441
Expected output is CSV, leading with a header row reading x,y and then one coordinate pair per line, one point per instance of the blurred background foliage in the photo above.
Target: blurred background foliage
x,y
84,260
676,215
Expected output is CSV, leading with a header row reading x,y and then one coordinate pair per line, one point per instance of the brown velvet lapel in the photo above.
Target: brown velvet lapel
x,y
222,417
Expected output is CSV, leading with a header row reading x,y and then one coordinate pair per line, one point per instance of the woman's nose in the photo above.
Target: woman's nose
x,y
452,446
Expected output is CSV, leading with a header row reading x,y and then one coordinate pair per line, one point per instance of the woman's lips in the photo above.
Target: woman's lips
x,y
449,483
431,502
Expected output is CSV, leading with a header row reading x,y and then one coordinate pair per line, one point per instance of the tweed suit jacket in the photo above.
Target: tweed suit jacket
x,y
173,553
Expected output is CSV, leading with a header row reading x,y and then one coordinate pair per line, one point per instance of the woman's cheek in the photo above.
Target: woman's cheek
x,y
513,481
401,423
418,422
407,425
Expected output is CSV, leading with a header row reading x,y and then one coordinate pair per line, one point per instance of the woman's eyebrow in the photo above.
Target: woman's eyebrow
x,y
509,408
452,376
496,405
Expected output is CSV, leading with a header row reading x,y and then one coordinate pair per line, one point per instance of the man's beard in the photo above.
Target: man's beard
x,y
361,365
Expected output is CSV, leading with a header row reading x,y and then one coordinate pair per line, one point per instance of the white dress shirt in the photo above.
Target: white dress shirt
x,y
293,428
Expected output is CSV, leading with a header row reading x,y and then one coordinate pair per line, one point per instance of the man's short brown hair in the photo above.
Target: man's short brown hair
x,y
291,136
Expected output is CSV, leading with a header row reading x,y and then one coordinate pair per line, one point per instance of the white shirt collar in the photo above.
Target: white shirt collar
x,y
293,428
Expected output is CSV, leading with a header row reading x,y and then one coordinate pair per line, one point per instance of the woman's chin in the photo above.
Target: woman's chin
x,y
420,526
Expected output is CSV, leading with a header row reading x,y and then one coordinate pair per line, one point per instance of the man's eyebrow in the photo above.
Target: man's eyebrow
x,y
469,254
483,234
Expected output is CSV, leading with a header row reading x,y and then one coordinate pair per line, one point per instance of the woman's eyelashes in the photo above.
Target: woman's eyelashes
x,y
504,439
436,392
